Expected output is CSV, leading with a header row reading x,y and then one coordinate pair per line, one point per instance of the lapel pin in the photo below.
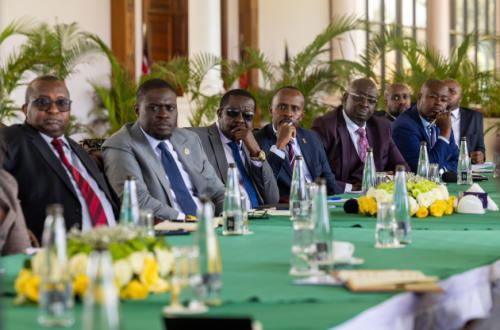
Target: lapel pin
x,y
304,140
186,151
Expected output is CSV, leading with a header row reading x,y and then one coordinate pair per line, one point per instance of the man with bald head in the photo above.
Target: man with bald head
x,y
283,139
52,168
349,130
397,100
472,127
415,125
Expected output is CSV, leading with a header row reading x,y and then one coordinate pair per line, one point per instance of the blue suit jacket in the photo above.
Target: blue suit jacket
x,y
408,132
313,154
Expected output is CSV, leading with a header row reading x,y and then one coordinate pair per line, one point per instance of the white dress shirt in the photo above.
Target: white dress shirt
x,y
230,159
455,125
355,137
298,152
75,161
185,176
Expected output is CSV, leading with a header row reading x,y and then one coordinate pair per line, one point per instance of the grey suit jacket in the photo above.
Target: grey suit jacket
x,y
262,178
129,152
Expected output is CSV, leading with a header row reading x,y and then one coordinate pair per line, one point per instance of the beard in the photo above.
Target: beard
x,y
161,137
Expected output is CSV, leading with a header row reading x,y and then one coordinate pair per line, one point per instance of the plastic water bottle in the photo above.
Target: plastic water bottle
x,y
323,237
423,161
400,200
369,172
56,301
299,202
233,217
205,239
129,212
464,170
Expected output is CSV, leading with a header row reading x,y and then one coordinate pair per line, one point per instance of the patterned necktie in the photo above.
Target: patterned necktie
x,y
184,198
433,136
363,144
94,204
248,183
291,154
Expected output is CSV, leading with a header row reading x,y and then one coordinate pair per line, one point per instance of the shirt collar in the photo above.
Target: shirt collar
x,y
223,138
391,116
351,126
424,122
456,113
152,141
49,139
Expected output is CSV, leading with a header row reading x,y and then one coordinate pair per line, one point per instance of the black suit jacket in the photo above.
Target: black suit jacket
x,y
313,154
471,126
42,178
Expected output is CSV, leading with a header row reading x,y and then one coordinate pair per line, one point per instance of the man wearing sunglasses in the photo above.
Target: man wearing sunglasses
x,y
52,168
282,140
350,129
230,140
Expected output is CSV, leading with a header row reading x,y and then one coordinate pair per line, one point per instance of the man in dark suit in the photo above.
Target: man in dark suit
x,y
282,142
52,168
415,125
465,122
349,130
397,100
230,140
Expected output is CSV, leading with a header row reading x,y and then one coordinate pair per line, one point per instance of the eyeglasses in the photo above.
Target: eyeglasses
x,y
234,113
361,98
44,104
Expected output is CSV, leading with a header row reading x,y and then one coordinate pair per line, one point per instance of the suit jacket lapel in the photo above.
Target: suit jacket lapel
x,y
49,156
346,146
373,140
218,148
306,154
416,117
272,141
146,151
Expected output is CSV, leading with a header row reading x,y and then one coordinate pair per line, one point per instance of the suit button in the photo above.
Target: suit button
x,y
79,211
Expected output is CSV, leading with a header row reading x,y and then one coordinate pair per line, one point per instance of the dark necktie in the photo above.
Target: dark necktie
x,y
177,184
248,183
291,154
433,136
94,204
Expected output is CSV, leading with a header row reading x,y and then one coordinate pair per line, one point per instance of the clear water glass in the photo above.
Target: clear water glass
x,y
244,212
434,173
310,188
146,221
386,234
303,261
381,178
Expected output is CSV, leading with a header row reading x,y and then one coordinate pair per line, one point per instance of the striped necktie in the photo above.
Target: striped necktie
x,y
248,183
291,154
94,204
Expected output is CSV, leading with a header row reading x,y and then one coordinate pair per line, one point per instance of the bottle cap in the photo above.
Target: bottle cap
x,y
320,181
130,177
298,157
369,149
232,165
463,139
423,143
54,209
400,168
205,199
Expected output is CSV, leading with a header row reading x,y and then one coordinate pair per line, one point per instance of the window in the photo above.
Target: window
x,y
411,15
467,16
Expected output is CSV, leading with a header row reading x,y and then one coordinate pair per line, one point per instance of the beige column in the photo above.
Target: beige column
x,y
438,25
497,31
343,46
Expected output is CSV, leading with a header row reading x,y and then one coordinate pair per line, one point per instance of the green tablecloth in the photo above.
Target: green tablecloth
x,y
255,280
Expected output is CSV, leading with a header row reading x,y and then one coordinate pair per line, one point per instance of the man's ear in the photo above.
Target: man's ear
x,y
25,110
344,98
219,113
385,103
136,108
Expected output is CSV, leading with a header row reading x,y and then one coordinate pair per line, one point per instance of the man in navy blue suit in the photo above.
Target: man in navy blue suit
x,y
281,142
414,126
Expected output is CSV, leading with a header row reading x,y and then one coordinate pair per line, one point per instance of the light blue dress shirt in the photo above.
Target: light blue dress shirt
x,y
428,131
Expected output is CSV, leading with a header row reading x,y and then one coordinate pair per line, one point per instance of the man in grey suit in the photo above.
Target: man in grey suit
x,y
230,140
169,164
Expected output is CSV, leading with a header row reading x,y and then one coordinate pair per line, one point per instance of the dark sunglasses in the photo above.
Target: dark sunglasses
x,y
44,104
234,113
361,98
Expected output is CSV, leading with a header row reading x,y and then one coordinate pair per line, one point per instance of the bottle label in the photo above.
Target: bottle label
x,y
322,251
300,208
230,223
212,282
464,176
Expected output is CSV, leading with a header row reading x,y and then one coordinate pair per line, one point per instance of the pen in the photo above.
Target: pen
x,y
292,122
434,121
484,171
334,198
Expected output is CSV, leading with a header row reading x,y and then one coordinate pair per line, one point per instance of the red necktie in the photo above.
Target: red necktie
x,y
96,211
291,154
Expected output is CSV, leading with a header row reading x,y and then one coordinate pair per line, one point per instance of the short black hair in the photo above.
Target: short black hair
x,y
239,92
30,90
150,85
289,87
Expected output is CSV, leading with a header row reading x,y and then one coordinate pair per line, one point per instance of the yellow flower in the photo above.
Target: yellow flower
x,y
422,212
33,288
373,208
452,200
135,290
449,209
80,285
437,208
149,275
20,283
367,205
161,286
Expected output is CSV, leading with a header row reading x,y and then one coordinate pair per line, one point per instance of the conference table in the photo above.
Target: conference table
x,y
460,249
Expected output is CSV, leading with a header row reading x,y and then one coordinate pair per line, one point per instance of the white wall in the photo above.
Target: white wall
x,y
92,15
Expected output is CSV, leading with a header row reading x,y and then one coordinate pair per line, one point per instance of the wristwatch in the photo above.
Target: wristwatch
x,y
260,158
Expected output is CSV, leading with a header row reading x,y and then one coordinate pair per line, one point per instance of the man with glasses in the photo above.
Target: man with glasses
x,y
348,131
52,168
169,164
230,140
282,140
428,121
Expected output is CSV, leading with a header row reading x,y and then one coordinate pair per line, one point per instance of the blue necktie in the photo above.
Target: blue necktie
x,y
176,181
433,136
248,184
